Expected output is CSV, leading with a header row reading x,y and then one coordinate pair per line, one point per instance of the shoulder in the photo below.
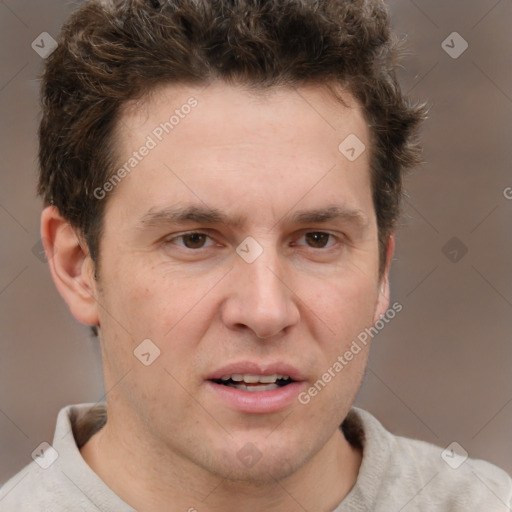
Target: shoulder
x,y
450,476
58,479
35,489
419,475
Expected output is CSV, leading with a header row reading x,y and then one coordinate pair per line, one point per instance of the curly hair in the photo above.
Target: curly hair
x,y
113,51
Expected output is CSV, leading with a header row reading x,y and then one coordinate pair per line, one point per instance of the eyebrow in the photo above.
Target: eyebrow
x,y
208,215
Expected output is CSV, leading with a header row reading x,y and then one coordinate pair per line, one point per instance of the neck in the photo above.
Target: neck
x,y
149,479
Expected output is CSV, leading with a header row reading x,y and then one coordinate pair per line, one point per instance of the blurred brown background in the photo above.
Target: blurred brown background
x,y
440,371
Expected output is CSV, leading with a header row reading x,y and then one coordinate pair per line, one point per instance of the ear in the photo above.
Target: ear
x,y
71,266
383,298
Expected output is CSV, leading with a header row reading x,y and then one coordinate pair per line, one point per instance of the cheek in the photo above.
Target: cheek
x,y
167,307
346,307
152,300
145,308
346,312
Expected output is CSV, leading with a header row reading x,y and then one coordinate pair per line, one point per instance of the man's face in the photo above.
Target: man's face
x,y
274,293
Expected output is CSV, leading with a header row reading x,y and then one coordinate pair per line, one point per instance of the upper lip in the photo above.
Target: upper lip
x,y
253,368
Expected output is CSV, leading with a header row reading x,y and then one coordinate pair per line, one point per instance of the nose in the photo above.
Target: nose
x,y
261,296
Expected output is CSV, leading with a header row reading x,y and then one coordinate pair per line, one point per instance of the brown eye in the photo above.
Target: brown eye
x,y
193,240
318,239
196,240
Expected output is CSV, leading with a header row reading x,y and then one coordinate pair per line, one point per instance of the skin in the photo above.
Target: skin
x,y
170,443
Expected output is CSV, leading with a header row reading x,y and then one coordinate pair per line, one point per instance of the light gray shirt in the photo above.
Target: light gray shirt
x,y
397,474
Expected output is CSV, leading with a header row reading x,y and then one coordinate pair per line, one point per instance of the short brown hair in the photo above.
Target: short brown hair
x,y
112,51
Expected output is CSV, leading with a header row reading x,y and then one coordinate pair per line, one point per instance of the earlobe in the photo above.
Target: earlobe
x,y
70,265
384,291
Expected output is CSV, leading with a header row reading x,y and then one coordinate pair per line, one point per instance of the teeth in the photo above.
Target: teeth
x,y
263,387
254,379
266,379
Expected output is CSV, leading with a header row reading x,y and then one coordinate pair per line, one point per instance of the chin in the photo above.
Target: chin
x,y
262,471
263,476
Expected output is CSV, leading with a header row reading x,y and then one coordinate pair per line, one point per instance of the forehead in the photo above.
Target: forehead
x,y
219,143
322,108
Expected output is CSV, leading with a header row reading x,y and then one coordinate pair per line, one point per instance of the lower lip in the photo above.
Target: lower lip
x,y
257,401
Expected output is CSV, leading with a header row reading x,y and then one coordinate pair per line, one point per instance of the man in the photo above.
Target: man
x,y
222,181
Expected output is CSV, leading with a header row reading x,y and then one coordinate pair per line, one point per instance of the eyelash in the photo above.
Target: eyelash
x,y
171,240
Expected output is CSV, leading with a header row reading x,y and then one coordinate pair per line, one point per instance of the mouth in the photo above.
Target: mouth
x,y
254,383
250,387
